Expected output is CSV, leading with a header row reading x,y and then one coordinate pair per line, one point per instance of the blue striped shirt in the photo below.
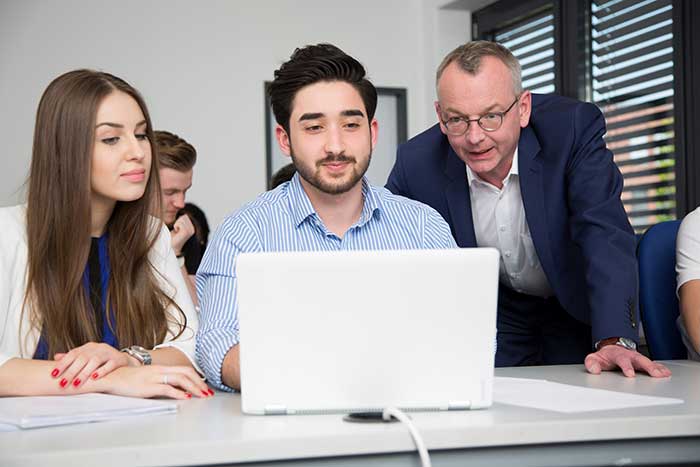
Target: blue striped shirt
x,y
284,220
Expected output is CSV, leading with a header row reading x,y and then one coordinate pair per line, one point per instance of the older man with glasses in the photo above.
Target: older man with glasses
x,y
531,176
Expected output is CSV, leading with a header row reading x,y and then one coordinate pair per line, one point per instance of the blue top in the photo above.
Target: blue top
x,y
284,220
99,254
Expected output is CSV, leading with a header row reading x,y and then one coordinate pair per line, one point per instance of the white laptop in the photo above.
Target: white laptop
x,y
358,331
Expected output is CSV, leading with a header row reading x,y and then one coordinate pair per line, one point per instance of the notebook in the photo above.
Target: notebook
x,y
357,331
44,411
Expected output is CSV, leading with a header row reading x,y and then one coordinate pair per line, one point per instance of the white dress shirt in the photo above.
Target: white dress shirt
x,y
499,222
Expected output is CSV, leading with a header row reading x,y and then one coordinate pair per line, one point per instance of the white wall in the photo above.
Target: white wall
x,y
201,67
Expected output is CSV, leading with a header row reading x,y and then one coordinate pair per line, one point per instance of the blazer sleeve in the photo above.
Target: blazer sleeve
x,y
17,338
601,229
9,333
173,283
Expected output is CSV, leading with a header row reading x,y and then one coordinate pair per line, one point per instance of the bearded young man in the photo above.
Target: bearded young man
x,y
324,107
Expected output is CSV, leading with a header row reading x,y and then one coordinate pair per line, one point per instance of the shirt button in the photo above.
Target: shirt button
x,y
507,253
502,228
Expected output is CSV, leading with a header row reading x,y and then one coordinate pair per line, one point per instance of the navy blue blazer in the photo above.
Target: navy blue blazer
x,y
570,188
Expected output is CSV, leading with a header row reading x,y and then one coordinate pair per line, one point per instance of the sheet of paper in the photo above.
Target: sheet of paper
x,y
565,398
34,412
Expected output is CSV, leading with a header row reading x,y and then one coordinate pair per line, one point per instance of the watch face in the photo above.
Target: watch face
x,y
141,354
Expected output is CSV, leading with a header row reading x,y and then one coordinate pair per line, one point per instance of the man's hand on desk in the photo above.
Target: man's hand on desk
x,y
612,357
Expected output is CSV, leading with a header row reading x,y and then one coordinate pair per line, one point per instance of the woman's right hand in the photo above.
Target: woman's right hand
x,y
175,382
91,360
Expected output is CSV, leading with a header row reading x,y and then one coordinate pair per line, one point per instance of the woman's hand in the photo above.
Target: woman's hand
x,y
175,382
91,360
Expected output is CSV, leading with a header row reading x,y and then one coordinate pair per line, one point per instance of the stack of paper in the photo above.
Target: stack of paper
x,y
35,412
547,395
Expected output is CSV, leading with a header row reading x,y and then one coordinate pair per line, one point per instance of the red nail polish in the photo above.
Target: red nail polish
x,y
189,396
211,393
76,382
95,375
54,373
205,393
63,383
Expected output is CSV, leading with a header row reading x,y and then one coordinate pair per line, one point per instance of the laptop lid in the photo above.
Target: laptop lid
x,y
358,331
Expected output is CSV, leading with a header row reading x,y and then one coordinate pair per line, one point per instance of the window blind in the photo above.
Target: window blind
x,y
531,40
632,72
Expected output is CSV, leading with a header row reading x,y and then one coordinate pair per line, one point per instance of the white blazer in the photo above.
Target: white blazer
x,y
19,339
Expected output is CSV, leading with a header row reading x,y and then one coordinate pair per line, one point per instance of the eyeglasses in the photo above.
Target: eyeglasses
x,y
492,121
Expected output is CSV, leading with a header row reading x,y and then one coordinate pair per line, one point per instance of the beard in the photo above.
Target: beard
x,y
331,185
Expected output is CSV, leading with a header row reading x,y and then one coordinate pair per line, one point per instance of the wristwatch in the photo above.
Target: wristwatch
x,y
139,353
621,341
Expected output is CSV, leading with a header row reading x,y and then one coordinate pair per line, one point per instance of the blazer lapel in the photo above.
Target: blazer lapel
x,y
458,201
530,174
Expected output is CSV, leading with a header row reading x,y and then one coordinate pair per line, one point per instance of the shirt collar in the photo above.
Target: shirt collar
x,y
372,203
299,203
471,176
301,208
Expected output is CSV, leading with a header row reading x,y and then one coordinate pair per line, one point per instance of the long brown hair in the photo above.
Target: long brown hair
x,y
58,226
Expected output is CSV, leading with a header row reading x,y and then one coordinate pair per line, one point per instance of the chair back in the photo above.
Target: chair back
x,y
658,303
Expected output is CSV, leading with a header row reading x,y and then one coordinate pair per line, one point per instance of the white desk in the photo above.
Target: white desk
x,y
214,432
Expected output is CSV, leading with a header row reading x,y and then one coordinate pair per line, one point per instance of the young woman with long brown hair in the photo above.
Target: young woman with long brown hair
x,y
84,269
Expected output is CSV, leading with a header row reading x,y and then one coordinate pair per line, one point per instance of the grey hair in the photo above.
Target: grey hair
x,y
468,56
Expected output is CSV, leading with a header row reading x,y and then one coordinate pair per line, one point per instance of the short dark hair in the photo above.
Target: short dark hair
x,y
312,64
174,152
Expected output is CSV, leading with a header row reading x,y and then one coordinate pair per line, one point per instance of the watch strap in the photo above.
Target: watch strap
x,y
621,341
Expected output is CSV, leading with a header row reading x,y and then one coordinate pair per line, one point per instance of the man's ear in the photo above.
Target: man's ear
x,y
283,140
374,132
525,108
439,117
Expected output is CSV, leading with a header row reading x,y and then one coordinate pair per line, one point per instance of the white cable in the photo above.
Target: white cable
x,y
417,439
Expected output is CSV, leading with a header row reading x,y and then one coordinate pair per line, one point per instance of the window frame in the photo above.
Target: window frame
x,y
572,58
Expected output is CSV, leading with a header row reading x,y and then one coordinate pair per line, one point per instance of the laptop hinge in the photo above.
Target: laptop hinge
x,y
275,410
459,405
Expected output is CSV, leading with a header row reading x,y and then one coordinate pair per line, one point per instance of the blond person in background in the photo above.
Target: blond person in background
x,y
177,158
84,269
